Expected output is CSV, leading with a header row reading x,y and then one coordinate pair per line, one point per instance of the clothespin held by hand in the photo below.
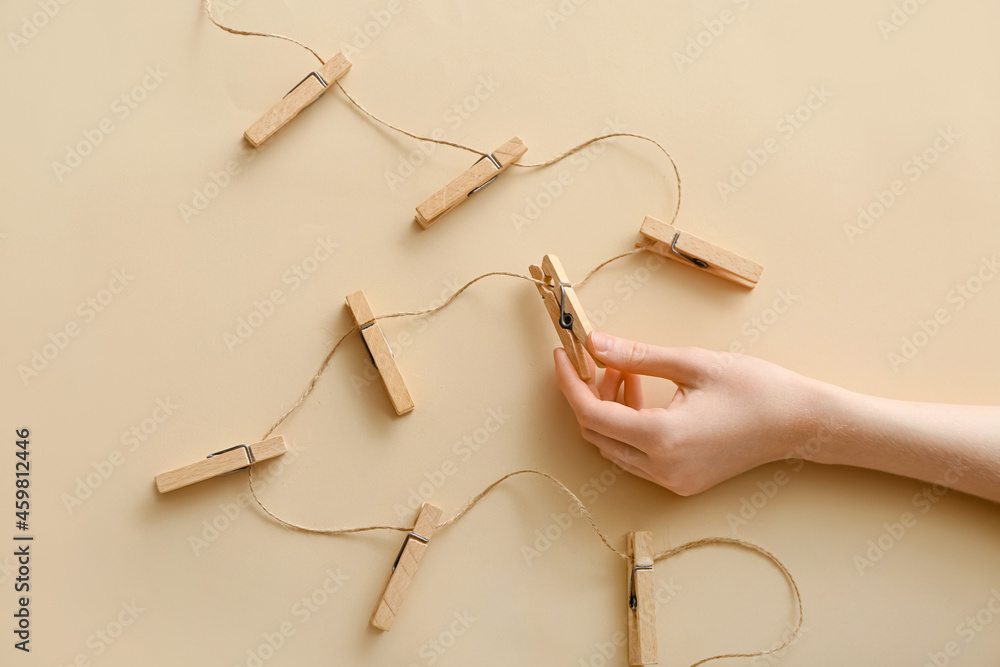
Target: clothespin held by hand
x,y
566,312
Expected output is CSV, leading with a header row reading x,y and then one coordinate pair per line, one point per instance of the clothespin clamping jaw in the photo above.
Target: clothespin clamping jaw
x,y
380,352
642,649
566,312
405,567
223,462
672,243
479,175
310,89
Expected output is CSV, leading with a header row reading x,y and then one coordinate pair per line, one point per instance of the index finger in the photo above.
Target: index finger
x,y
609,418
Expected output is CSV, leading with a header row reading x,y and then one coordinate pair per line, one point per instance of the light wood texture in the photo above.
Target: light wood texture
x,y
298,99
657,236
399,581
221,464
458,190
642,649
381,353
574,349
553,268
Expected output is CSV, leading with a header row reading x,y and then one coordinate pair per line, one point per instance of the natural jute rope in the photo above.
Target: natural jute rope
x,y
668,553
443,142
489,489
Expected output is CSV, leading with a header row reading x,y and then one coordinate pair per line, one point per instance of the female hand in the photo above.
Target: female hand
x,y
730,413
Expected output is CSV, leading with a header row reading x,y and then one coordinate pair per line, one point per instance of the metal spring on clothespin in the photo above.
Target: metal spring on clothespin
x,y
565,319
700,263
496,164
633,601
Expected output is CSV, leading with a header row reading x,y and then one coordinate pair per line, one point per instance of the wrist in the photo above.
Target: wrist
x,y
831,415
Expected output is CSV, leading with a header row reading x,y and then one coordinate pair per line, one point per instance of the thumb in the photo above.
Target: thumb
x,y
683,365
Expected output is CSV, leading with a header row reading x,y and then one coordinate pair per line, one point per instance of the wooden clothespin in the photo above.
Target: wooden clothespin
x,y
641,604
380,352
484,171
566,311
667,240
405,567
223,462
298,98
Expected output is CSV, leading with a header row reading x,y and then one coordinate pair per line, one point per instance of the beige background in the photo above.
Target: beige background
x,y
555,82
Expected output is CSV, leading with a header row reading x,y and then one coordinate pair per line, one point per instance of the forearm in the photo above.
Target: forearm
x,y
957,446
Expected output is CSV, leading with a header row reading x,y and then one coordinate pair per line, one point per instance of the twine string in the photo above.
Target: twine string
x,y
427,311
396,128
453,144
489,489
662,555
584,510
743,544
249,33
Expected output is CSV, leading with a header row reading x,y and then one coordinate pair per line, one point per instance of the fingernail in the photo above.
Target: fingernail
x,y
601,342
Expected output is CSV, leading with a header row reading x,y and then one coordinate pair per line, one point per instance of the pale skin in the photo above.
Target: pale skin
x,y
733,412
